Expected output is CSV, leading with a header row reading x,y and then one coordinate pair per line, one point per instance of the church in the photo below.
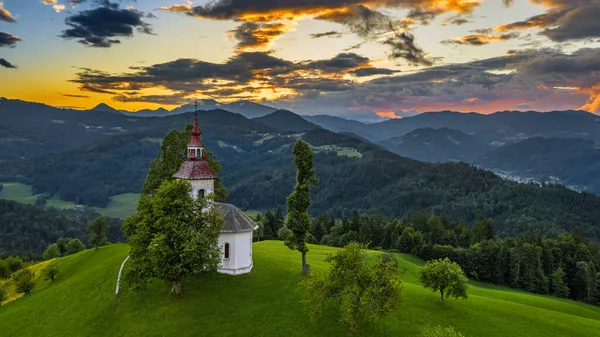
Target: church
x,y
235,241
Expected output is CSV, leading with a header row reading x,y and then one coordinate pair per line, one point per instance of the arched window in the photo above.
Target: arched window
x,y
201,194
192,153
199,154
227,250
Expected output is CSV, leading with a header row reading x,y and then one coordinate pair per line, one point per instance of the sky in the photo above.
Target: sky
x,y
361,59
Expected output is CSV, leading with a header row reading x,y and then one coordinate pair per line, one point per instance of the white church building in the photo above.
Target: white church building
x,y
235,240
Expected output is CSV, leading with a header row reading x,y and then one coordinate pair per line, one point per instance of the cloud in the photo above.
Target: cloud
x,y
55,5
8,40
5,14
332,33
4,63
579,23
258,36
102,26
480,40
404,47
362,72
75,96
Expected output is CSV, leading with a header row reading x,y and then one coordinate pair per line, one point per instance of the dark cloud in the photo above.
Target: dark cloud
x,y
425,16
4,63
252,35
361,20
353,47
361,72
339,62
480,40
8,40
458,21
102,26
332,33
579,23
404,47
538,21
75,96
5,15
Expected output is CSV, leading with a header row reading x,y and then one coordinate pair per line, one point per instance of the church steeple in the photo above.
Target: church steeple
x,y
195,147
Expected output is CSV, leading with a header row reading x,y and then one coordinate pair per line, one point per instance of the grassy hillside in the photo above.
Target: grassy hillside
x,y
266,302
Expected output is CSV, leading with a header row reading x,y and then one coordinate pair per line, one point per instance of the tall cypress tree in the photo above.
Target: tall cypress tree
x,y
298,220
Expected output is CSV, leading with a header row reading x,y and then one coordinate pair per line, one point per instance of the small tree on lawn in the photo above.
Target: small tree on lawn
x,y
3,294
98,229
173,235
52,252
24,280
364,292
446,277
298,220
50,271
74,246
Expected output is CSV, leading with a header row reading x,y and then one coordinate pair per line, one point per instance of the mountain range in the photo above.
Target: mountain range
x,y
86,157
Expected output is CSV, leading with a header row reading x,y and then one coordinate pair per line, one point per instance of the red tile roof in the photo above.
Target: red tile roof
x,y
195,170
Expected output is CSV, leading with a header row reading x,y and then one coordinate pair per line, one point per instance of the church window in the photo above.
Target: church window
x,y
199,153
201,194
193,153
227,250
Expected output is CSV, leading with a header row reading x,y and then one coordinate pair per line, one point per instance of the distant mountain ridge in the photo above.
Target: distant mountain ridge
x,y
286,121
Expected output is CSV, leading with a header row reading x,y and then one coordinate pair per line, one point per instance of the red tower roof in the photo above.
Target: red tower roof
x,y
195,139
195,167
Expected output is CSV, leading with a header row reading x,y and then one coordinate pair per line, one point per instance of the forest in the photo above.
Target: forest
x,y
564,265
27,230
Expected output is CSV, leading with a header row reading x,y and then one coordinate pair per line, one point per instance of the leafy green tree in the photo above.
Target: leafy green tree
x,y
363,292
172,153
3,294
172,235
298,220
52,252
14,263
24,281
4,270
483,230
446,277
586,277
50,271
558,286
74,246
98,229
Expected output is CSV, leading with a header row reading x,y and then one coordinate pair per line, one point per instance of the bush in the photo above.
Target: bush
x,y
24,280
52,252
74,246
50,272
4,270
3,294
15,264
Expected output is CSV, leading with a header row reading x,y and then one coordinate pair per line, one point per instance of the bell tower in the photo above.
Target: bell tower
x,y
196,169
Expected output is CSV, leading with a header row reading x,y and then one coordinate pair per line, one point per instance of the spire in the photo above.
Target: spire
x,y
195,146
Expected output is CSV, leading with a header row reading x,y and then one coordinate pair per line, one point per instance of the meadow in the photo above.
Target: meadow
x,y
82,301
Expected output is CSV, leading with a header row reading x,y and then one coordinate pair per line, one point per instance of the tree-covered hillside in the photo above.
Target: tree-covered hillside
x,y
27,230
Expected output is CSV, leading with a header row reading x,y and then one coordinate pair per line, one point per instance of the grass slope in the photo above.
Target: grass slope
x,y
266,302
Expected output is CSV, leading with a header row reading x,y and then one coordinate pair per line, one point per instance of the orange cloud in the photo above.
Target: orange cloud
x,y
479,40
593,102
387,114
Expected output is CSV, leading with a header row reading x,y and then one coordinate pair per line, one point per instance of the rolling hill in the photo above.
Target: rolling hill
x,y
437,145
286,121
82,301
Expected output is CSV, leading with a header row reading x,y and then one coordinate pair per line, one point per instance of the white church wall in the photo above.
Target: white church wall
x,y
240,253
208,185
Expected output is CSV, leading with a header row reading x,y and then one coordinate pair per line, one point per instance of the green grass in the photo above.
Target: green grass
x,y
262,140
119,206
266,302
341,151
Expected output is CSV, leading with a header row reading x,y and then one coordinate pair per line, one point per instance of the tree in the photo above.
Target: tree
x,y
4,270
172,153
446,277
558,286
3,294
98,229
173,235
50,271
363,292
14,263
483,230
24,281
52,252
586,277
298,220
74,246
